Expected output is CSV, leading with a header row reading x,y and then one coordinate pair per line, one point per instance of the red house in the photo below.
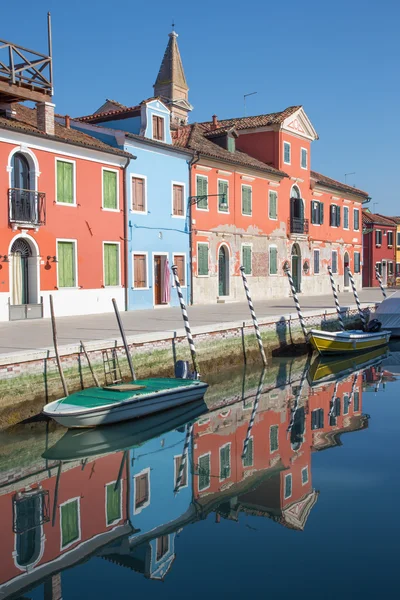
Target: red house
x,y
379,249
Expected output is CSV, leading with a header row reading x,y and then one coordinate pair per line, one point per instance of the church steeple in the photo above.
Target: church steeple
x,y
171,84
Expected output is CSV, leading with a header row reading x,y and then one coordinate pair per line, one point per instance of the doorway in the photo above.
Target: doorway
x,y
161,280
223,271
24,288
384,272
296,267
346,264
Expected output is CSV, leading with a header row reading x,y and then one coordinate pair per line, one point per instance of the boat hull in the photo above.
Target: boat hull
x,y
327,369
347,342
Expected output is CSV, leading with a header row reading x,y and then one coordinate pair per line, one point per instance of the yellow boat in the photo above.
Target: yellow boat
x,y
347,342
325,369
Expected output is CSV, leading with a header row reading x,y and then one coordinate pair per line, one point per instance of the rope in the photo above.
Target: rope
x,y
185,317
253,413
357,299
379,278
183,457
297,304
253,316
338,309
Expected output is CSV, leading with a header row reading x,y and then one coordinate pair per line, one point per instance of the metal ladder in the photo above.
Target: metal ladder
x,y
112,370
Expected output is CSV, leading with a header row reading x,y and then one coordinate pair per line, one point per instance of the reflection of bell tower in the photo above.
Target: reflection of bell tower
x,y
171,84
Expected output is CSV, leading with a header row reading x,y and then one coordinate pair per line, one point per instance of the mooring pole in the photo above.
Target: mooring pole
x,y
333,399
253,316
338,309
298,394
357,299
353,386
54,328
253,413
122,332
184,456
96,381
185,318
297,304
379,278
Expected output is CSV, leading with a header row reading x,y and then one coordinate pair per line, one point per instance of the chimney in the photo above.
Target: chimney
x,y
45,117
67,121
214,121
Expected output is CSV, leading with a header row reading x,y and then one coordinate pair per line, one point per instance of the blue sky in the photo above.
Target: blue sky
x,y
339,60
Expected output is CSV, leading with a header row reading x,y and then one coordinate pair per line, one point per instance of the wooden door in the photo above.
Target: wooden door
x,y
157,280
222,272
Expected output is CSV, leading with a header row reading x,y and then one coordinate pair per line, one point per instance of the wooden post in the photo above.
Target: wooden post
x,y
96,381
53,325
122,332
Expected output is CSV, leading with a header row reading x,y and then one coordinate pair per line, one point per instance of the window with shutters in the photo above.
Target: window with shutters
x,y
247,260
162,546
288,485
111,264
202,192
346,404
110,190
303,160
317,418
202,259
248,455
223,198
317,212
65,182
140,270
304,476
178,200
142,490
70,522
246,200
158,128
334,215
66,264
179,261
113,502
356,219
273,260
398,239
397,269
286,153
378,267
316,262
357,262
204,471
378,237
225,462
139,194
273,205
356,401
390,239
390,268
273,438
345,217
184,480
334,261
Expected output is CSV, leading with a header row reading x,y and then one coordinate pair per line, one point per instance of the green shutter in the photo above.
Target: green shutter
x,y
223,189
248,455
288,486
65,182
69,523
273,205
273,261
204,472
66,264
273,439
225,462
246,200
111,270
113,503
202,190
110,190
321,213
338,216
345,217
246,259
202,259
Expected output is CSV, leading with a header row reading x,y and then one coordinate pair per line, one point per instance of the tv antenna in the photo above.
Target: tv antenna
x,y
346,175
244,100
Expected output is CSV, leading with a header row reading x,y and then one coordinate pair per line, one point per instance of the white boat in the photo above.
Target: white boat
x,y
388,313
123,401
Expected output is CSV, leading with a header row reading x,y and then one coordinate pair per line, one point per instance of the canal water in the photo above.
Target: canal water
x,y
285,485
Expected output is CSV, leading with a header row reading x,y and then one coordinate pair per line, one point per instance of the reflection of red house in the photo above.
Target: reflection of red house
x,y
379,249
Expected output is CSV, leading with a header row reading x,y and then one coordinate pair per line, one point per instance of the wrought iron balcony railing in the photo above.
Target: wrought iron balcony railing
x,y
297,225
27,207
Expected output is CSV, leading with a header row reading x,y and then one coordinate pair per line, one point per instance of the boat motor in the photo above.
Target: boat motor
x,y
374,326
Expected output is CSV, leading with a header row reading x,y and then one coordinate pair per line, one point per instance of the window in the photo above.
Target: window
x,y
246,199
248,455
70,522
286,153
178,462
378,267
158,128
179,261
390,268
317,212
357,263
398,238
356,219
113,503
247,259
138,194
204,472
335,216
110,190
288,486
304,476
142,490
397,269
390,239
202,259
346,404
317,418
140,270
378,237
66,265
202,190
303,161
178,202
65,182
223,201
225,462
273,260
316,261
273,438
334,261
356,401
345,217
111,264
162,546
272,205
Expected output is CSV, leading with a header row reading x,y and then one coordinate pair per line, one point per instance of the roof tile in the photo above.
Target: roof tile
x,y
336,185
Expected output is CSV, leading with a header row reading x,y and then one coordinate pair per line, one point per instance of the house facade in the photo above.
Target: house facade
x,y
379,249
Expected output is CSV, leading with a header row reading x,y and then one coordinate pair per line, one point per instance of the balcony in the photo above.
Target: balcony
x,y
297,225
26,207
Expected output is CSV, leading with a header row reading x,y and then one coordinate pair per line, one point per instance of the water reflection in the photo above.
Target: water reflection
x,y
124,493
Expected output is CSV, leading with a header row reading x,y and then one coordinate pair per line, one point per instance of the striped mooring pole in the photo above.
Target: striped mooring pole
x,y
379,278
333,399
184,456
297,304
253,316
357,299
338,309
185,317
353,386
253,413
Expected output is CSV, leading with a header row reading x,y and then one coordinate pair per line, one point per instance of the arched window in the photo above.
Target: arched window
x,y
296,192
21,179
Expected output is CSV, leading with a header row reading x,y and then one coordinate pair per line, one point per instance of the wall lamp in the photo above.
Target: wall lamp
x,y
53,258
196,199
5,257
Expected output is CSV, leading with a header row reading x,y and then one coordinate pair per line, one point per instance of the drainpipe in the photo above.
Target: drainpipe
x,y
190,163
126,241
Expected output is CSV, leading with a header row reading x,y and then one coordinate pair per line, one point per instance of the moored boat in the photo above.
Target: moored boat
x,y
347,342
388,313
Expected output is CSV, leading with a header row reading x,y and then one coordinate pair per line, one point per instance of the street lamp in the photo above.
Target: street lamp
x,y
196,199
